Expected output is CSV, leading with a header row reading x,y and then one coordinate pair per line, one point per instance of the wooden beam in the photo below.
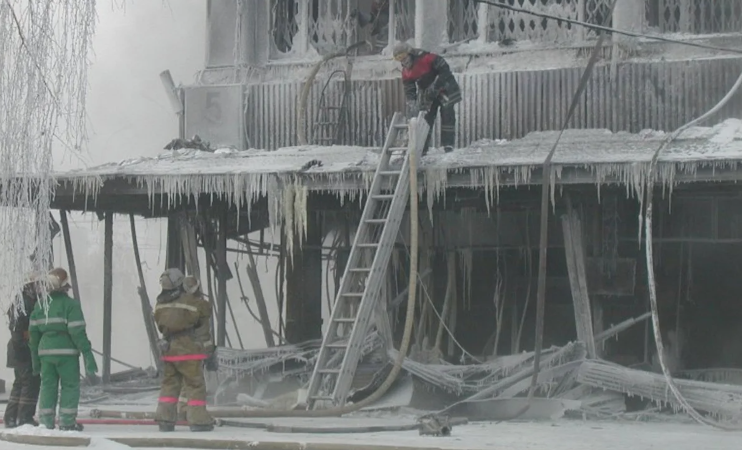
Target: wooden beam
x,y
149,319
70,254
107,295
304,285
575,255
221,288
252,273
174,249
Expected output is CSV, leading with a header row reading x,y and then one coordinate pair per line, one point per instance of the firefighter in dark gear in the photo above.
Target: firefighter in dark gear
x,y
178,314
429,86
202,335
57,338
378,19
25,391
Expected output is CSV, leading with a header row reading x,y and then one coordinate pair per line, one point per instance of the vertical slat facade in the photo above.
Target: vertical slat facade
x,y
509,105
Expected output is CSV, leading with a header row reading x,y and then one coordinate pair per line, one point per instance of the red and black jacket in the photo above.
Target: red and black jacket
x,y
430,71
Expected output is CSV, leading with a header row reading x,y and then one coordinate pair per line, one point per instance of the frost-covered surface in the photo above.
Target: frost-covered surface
x,y
286,175
28,430
596,148
559,435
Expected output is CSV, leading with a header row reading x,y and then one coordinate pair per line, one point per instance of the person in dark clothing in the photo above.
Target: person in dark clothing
x,y
429,86
25,391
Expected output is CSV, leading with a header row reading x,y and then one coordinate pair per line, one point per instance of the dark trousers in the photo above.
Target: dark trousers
x,y
448,125
23,396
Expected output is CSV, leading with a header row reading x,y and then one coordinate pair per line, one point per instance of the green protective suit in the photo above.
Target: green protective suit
x,y
57,338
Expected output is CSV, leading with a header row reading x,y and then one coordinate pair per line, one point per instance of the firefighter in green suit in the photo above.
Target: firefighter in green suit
x,y
178,315
57,338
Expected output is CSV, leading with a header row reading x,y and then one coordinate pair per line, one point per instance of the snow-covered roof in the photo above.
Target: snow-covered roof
x,y
601,154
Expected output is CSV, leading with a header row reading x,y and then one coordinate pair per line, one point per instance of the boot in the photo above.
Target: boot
x,y
29,421
10,423
166,427
201,428
73,427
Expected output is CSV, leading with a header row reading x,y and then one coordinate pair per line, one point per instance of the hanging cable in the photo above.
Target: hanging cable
x,y
607,28
544,220
649,253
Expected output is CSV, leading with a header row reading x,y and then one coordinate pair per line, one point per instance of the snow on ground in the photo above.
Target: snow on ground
x,y
558,435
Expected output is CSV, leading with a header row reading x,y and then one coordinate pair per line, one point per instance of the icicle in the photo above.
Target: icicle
x,y
436,181
465,259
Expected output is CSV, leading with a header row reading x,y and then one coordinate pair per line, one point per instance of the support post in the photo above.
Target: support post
x,y
107,295
252,273
221,275
70,254
575,255
149,320
304,286
174,253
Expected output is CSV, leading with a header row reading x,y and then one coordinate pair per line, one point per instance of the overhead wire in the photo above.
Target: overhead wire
x,y
607,28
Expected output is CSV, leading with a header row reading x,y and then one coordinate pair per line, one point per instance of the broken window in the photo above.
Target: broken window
x,y
404,16
694,16
284,14
462,20
331,28
596,12
505,24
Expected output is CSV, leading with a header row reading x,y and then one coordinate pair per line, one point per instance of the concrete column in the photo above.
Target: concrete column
x,y
304,286
107,295
431,21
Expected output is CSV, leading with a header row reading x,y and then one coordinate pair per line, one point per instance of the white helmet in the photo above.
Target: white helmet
x,y
171,279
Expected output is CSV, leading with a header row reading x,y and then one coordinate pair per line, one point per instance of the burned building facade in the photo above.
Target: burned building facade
x,y
298,120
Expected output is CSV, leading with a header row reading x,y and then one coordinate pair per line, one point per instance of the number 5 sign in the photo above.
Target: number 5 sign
x,y
216,114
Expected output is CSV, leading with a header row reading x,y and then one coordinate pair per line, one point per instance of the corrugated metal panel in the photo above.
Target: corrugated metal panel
x,y
509,105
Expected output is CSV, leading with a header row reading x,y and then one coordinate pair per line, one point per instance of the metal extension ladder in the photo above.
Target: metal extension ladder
x,y
367,266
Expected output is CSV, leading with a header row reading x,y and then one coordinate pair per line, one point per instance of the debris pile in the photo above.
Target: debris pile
x,y
567,381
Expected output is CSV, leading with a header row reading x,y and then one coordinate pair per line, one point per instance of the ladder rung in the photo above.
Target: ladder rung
x,y
329,371
391,173
368,245
383,196
375,221
344,320
353,294
337,345
398,149
322,397
361,269
401,126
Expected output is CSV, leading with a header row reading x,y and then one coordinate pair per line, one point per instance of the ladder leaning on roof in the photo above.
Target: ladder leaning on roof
x,y
367,265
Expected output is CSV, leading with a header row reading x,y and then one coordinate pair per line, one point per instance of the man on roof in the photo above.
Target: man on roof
x,y
429,86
